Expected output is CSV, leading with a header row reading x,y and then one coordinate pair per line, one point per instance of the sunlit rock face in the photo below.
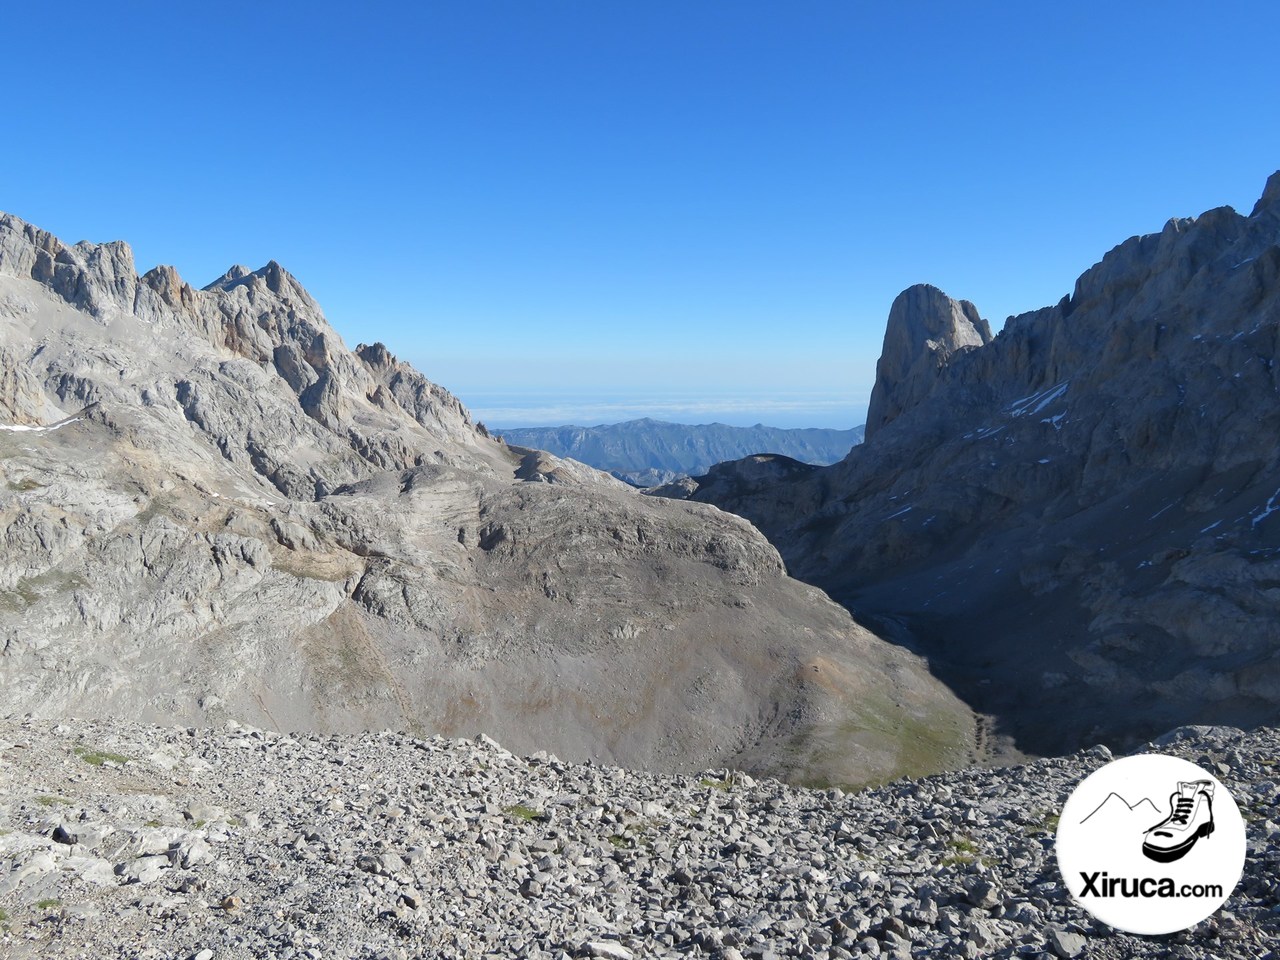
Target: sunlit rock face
x,y
211,508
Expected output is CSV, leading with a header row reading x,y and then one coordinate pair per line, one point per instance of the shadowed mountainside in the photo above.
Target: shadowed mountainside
x,y
1077,519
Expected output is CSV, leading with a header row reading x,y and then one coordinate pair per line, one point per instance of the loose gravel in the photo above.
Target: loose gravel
x,y
122,840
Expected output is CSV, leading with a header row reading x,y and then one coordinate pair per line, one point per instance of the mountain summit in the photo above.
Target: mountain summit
x,y
926,330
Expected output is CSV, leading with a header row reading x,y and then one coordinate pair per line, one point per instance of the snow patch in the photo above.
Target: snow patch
x,y
20,428
1038,401
1269,509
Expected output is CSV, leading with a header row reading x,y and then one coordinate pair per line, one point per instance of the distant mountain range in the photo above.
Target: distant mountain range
x,y
650,452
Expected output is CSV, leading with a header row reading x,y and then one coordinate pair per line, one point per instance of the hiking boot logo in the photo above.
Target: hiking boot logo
x,y
1126,857
1190,818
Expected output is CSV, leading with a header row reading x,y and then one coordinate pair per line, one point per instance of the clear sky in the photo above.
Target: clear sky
x,y
583,211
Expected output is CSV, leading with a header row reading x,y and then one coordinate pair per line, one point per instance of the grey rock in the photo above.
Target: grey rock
x,y
1066,944
607,949
144,870
982,893
926,331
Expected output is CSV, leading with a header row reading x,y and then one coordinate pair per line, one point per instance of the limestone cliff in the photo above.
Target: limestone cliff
x,y
211,508
926,330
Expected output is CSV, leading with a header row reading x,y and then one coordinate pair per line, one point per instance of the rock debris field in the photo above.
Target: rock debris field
x,y
124,840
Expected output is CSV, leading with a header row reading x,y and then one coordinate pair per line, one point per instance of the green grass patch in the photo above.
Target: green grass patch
x,y
98,757
722,785
1045,822
636,835
913,746
25,485
520,812
47,904
49,800
29,591
963,851
153,823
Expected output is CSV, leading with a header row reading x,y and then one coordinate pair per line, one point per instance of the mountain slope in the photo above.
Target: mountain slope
x,y
1078,519
649,452
218,510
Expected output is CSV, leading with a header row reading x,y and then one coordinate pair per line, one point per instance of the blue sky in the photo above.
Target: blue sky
x,y
594,208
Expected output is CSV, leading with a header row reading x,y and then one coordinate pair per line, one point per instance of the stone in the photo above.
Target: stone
x,y
982,893
143,870
1066,944
607,949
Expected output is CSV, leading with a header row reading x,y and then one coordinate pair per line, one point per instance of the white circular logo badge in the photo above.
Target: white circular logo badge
x,y
1151,844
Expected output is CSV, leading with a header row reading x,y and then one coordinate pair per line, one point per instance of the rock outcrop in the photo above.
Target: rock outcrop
x,y
210,508
926,331
1080,520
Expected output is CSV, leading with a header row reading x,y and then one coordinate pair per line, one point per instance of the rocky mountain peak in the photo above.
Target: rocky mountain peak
x,y
166,281
237,271
273,277
926,330
97,277
376,355
1270,199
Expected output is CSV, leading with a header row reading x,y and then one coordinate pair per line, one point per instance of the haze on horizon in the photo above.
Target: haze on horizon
x,y
692,212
